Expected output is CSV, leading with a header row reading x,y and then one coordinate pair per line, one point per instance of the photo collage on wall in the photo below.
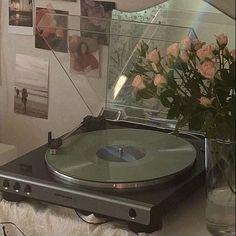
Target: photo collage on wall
x,y
32,73
31,86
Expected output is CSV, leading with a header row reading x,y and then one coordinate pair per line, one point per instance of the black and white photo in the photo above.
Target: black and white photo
x,y
31,86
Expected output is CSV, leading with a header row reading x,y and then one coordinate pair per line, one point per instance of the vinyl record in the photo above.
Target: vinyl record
x,y
121,158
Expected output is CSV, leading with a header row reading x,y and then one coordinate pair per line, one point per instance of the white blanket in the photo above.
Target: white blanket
x,y
40,219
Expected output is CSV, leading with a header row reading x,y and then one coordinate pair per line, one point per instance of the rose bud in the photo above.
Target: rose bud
x,y
160,81
173,50
186,43
184,56
196,44
233,54
138,82
222,40
206,102
154,56
208,69
205,52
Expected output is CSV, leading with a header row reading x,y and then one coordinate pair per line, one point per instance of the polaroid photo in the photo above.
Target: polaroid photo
x,y
96,9
53,35
84,56
21,17
31,86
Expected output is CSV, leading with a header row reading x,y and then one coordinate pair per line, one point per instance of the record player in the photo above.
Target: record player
x,y
123,161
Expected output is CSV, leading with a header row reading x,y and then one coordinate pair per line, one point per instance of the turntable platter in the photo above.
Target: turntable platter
x,y
121,158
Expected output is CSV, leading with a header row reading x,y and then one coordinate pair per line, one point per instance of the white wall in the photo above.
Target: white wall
x,y
66,109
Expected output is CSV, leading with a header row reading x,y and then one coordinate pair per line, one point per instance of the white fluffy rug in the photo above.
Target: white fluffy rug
x,y
40,219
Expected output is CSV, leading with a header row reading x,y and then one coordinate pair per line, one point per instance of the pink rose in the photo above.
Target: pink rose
x,y
233,54
154,56
214,47
160,80
206,102
173,50
208,69
138,82
222,40
186,43
184,56
196,44
168,62
205,53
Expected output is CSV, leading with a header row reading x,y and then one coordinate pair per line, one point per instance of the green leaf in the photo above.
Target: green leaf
x,y
184,120
146,93
170,75
193,86
171,81
180,65
228,77
168,93
196,121
232,71
138,97
173,112
144,49
165,102
139,68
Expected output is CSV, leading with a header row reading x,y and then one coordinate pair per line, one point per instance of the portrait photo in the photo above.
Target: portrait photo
x,y
53,33
96,9
84,56
21,16
31,86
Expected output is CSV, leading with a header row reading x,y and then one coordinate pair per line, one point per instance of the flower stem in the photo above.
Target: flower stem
x,y
194,72
181,77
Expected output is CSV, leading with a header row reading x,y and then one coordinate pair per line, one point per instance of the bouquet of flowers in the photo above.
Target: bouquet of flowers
x,y
195,81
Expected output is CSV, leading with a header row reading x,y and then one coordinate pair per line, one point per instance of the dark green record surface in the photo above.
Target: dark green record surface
x,y
121,156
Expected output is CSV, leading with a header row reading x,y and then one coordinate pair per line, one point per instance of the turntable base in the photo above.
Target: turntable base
x,y
186,219
29,177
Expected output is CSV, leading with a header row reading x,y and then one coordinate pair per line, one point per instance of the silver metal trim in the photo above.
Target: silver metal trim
x,y
116,185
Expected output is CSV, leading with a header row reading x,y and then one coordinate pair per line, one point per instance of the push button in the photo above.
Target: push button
x,y
6,184
16,187
27,189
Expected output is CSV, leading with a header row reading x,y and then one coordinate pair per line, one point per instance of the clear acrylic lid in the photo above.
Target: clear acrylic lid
x,y
96,54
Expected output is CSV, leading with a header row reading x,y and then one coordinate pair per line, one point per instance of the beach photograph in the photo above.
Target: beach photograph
x,y
31,86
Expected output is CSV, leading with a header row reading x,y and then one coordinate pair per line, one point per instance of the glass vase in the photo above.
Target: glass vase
x,y
220,181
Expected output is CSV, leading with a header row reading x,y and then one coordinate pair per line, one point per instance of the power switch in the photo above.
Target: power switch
x,y
16,187
27,189
6,184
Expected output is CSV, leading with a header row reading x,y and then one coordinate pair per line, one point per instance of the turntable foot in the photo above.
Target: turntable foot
x,y
139,228
10,197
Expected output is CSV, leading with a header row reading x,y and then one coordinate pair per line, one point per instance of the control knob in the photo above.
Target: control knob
x,y
16,187
27,189
6,184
